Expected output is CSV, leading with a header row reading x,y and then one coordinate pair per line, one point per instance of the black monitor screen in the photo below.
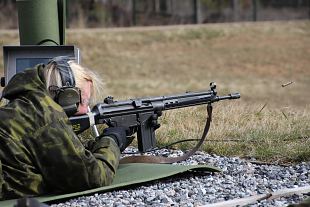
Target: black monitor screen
x,y
18,58
23,63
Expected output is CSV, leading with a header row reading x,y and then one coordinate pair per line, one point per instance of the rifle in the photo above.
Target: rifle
x,y
141,114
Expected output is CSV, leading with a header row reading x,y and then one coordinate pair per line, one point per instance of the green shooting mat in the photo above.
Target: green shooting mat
x,y
126,175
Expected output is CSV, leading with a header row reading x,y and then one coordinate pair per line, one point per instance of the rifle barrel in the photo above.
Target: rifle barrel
x,y
229,96
104,111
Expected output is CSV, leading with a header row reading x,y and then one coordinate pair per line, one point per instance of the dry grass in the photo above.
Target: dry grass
x,y
239,130
251,58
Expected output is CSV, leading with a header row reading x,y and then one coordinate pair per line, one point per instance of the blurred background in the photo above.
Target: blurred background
x,y
126,13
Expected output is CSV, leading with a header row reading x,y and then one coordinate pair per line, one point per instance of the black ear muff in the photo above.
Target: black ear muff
x,y
68,96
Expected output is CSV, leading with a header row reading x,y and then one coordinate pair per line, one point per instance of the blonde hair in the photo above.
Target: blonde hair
x,y
81,74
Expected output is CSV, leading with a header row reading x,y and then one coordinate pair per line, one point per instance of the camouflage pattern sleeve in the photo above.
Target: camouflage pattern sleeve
x,y
66,165
39,150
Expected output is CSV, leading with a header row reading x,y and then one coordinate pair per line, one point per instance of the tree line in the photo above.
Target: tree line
x,y
122,13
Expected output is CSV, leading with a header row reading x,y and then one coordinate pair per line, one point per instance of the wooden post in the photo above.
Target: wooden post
x,y
254,10
236,10
133,12
195,8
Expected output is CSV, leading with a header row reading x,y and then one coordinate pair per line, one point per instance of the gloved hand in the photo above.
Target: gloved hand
x,y
118,134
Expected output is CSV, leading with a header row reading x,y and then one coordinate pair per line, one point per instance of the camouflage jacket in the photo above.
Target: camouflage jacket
x,y
39,151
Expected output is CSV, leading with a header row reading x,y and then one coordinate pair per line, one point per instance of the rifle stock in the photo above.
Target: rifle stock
x,y
141,115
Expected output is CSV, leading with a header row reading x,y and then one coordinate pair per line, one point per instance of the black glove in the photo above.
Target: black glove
x,y
118,134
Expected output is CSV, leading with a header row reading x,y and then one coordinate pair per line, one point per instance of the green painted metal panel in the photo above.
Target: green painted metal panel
x,y
39,22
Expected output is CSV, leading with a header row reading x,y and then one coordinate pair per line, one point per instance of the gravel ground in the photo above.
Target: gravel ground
x,y
238,179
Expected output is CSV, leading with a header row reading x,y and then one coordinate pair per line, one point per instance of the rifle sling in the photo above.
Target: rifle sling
x,y
169,160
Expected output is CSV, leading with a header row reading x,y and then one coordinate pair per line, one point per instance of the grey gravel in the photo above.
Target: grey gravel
x,y
239,178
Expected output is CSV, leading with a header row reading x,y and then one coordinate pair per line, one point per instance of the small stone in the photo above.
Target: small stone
x,y
238,179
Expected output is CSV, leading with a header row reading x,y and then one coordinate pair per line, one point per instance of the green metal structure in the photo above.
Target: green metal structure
x,y
41,22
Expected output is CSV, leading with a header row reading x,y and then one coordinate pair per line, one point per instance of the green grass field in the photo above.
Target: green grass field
x,y
269,122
